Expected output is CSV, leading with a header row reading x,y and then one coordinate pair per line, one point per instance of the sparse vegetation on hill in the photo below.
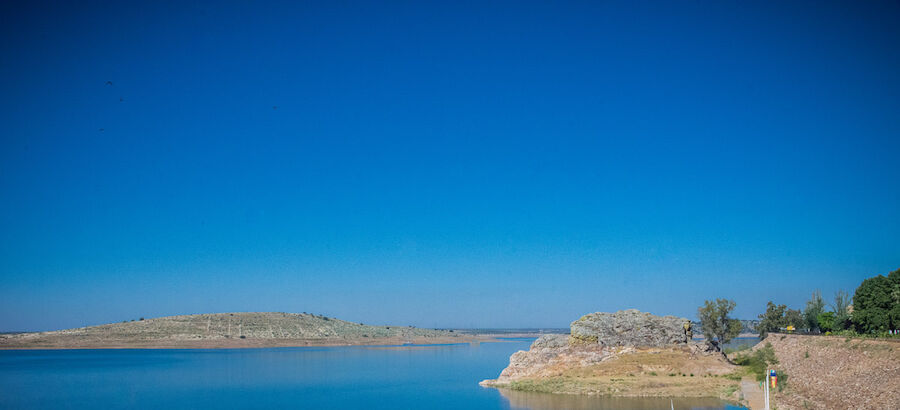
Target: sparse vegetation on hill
x,y
756,361
219,327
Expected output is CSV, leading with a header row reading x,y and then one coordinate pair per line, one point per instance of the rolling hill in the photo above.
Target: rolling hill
x,y
227,330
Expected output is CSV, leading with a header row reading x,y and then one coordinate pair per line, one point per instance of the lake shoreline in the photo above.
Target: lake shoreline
x,y
248,343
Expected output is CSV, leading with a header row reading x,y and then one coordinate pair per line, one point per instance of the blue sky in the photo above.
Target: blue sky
x,y
442,164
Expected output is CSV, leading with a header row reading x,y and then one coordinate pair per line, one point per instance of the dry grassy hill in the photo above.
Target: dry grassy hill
x,y
226,330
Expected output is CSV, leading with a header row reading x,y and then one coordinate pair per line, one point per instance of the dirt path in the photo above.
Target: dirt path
x,y
753,394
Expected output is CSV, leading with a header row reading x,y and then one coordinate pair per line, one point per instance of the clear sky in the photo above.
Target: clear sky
x,y
446,164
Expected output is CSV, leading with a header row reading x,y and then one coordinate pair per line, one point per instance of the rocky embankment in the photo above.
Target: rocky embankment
x,y
627,353
831,372
226,330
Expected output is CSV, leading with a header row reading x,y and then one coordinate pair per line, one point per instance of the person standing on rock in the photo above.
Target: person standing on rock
x,y
688,334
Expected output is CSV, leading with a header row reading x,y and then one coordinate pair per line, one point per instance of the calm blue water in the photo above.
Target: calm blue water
x,y
443,376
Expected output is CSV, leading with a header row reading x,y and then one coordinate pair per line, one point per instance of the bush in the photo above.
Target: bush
x,y
758,361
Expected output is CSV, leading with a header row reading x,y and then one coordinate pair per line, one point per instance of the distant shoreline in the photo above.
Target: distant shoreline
x,y
463,336
245,330
742,335
262,343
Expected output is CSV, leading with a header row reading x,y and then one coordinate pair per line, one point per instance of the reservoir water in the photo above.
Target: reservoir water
x,y
347,377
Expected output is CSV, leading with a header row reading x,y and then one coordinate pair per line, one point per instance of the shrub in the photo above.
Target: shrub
x,y
782,381
731,389
758,361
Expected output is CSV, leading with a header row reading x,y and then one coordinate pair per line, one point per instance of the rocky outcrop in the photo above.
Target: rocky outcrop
x,y
549,353
627,353
629,328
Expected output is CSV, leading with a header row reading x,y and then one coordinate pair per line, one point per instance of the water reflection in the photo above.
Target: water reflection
x,y
539,401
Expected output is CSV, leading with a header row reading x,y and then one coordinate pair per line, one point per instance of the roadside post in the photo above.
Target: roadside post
x,y
767,390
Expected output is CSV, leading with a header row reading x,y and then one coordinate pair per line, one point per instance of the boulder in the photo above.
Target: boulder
x,y
550,341
628,328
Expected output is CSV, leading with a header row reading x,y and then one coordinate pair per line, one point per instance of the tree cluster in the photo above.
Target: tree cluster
x,y
779,317
813,319
874,308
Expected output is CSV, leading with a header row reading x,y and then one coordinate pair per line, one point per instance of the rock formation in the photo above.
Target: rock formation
x,y
629,328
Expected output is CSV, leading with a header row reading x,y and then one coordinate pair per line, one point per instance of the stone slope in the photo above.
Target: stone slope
x,y
831,372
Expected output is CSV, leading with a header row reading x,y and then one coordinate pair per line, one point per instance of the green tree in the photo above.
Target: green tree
x,y
772,320
794,317
872,305
718,328
841,308
826,321
894,289
814,307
